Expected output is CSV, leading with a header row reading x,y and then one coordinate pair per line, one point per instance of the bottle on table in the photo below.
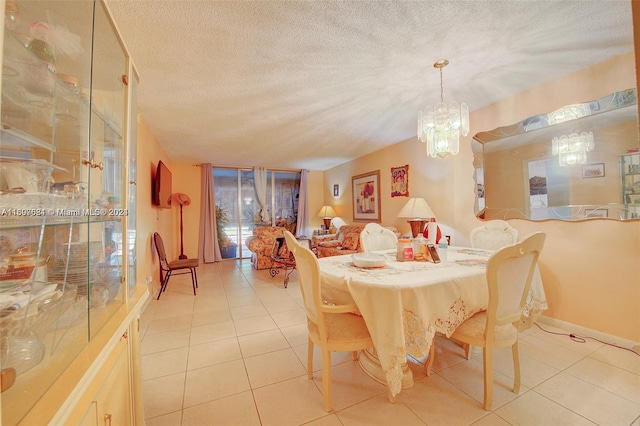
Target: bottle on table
x,y
443,248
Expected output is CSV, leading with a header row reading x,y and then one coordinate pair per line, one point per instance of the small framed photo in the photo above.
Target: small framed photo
x,y
336,190
366,197
400,181
596,213
593,170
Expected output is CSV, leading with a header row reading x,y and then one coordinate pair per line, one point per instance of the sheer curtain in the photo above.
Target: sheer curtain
x,y
303,208
208,248
260,180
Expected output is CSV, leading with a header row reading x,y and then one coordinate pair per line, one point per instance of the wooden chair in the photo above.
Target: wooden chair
x,y
509,273
375,237
493,235
333,328
185,266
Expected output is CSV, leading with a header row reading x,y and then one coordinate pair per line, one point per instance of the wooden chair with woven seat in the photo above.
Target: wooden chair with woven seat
x,y
168,269
509,274
334,328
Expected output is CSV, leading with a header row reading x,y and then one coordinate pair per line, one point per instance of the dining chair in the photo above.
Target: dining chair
x,y
509,273
334,328
493,235
375,237
168,269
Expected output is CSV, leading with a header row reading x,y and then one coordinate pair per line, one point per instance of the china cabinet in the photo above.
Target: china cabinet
x,y
69,301
630,175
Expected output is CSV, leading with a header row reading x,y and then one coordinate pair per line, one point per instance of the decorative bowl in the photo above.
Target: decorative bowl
x,y
368,260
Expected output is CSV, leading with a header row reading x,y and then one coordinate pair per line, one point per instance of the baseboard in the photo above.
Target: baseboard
x,y
587,332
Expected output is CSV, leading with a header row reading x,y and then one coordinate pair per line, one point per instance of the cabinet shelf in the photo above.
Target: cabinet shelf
x,y
14,138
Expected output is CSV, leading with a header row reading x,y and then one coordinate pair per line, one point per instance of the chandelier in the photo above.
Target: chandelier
x,y
572,149
440,127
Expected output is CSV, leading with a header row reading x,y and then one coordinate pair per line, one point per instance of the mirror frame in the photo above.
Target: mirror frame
x,y
615,109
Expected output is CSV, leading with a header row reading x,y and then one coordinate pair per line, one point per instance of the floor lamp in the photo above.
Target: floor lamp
x,y
183,200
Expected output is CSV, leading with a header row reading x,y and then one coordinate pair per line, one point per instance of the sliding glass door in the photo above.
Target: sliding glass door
x,y
240,209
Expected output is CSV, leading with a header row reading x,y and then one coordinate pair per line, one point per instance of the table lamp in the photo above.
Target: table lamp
x,y
327,213
419,212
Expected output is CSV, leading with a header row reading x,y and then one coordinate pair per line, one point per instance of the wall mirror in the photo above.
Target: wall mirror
x,y
579,162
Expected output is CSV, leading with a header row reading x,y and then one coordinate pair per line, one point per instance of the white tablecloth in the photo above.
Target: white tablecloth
x,y
405,303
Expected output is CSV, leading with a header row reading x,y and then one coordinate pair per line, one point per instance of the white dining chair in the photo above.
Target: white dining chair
x,y
375,237
509,273
334,328
493,235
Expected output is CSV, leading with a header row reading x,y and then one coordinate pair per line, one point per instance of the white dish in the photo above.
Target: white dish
x,y
368,260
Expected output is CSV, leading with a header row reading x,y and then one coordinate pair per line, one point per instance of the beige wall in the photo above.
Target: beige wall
x,y
590,269
150,218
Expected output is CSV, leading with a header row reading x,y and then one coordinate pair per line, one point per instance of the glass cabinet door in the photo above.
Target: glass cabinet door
x,y
62,161
132,170
104,162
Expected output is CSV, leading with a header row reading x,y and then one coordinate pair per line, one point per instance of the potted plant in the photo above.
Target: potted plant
x,y
228,248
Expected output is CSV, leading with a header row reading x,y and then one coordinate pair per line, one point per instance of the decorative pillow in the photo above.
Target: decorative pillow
x,y
351,241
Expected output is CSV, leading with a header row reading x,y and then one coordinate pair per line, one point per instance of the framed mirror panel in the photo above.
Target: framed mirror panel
x,y
579,162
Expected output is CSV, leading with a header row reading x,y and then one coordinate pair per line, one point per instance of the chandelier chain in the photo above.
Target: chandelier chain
x,y
441,87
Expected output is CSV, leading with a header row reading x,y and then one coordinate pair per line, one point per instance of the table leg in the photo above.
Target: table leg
x,y
370,364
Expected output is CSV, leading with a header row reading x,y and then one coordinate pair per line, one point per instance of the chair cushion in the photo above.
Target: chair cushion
x,y
474,327
183,263
351,241
342,328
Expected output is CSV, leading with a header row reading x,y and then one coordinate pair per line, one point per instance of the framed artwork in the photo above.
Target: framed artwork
x,y
596,213
400,181
336,190
593,170
366,197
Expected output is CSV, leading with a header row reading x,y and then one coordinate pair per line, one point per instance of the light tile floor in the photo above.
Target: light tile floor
x,y
235,354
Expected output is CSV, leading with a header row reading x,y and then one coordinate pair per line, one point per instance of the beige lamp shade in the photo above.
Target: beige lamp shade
x,y
327,213
419,211
417,208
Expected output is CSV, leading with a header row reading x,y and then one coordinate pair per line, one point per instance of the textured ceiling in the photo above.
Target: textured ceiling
x,y
313,84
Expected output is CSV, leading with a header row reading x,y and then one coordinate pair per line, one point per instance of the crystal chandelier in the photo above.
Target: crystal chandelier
x,y
572,149
440,127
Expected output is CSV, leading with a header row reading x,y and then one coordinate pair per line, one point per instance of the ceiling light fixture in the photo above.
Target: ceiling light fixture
x,y
572,149
440,127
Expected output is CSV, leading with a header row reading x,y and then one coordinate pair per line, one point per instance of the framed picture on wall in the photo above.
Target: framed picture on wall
x,y
366,197
400,181
593,170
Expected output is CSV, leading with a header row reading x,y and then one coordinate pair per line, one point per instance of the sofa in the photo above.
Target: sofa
x,y
261,245
346,241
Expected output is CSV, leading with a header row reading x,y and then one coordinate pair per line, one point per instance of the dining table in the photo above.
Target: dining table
x,y
405,303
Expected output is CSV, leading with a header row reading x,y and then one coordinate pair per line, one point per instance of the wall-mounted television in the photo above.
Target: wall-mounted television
x,y
162,187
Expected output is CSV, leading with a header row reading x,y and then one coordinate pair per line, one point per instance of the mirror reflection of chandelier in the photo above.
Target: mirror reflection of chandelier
x,y
440,127
572,149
